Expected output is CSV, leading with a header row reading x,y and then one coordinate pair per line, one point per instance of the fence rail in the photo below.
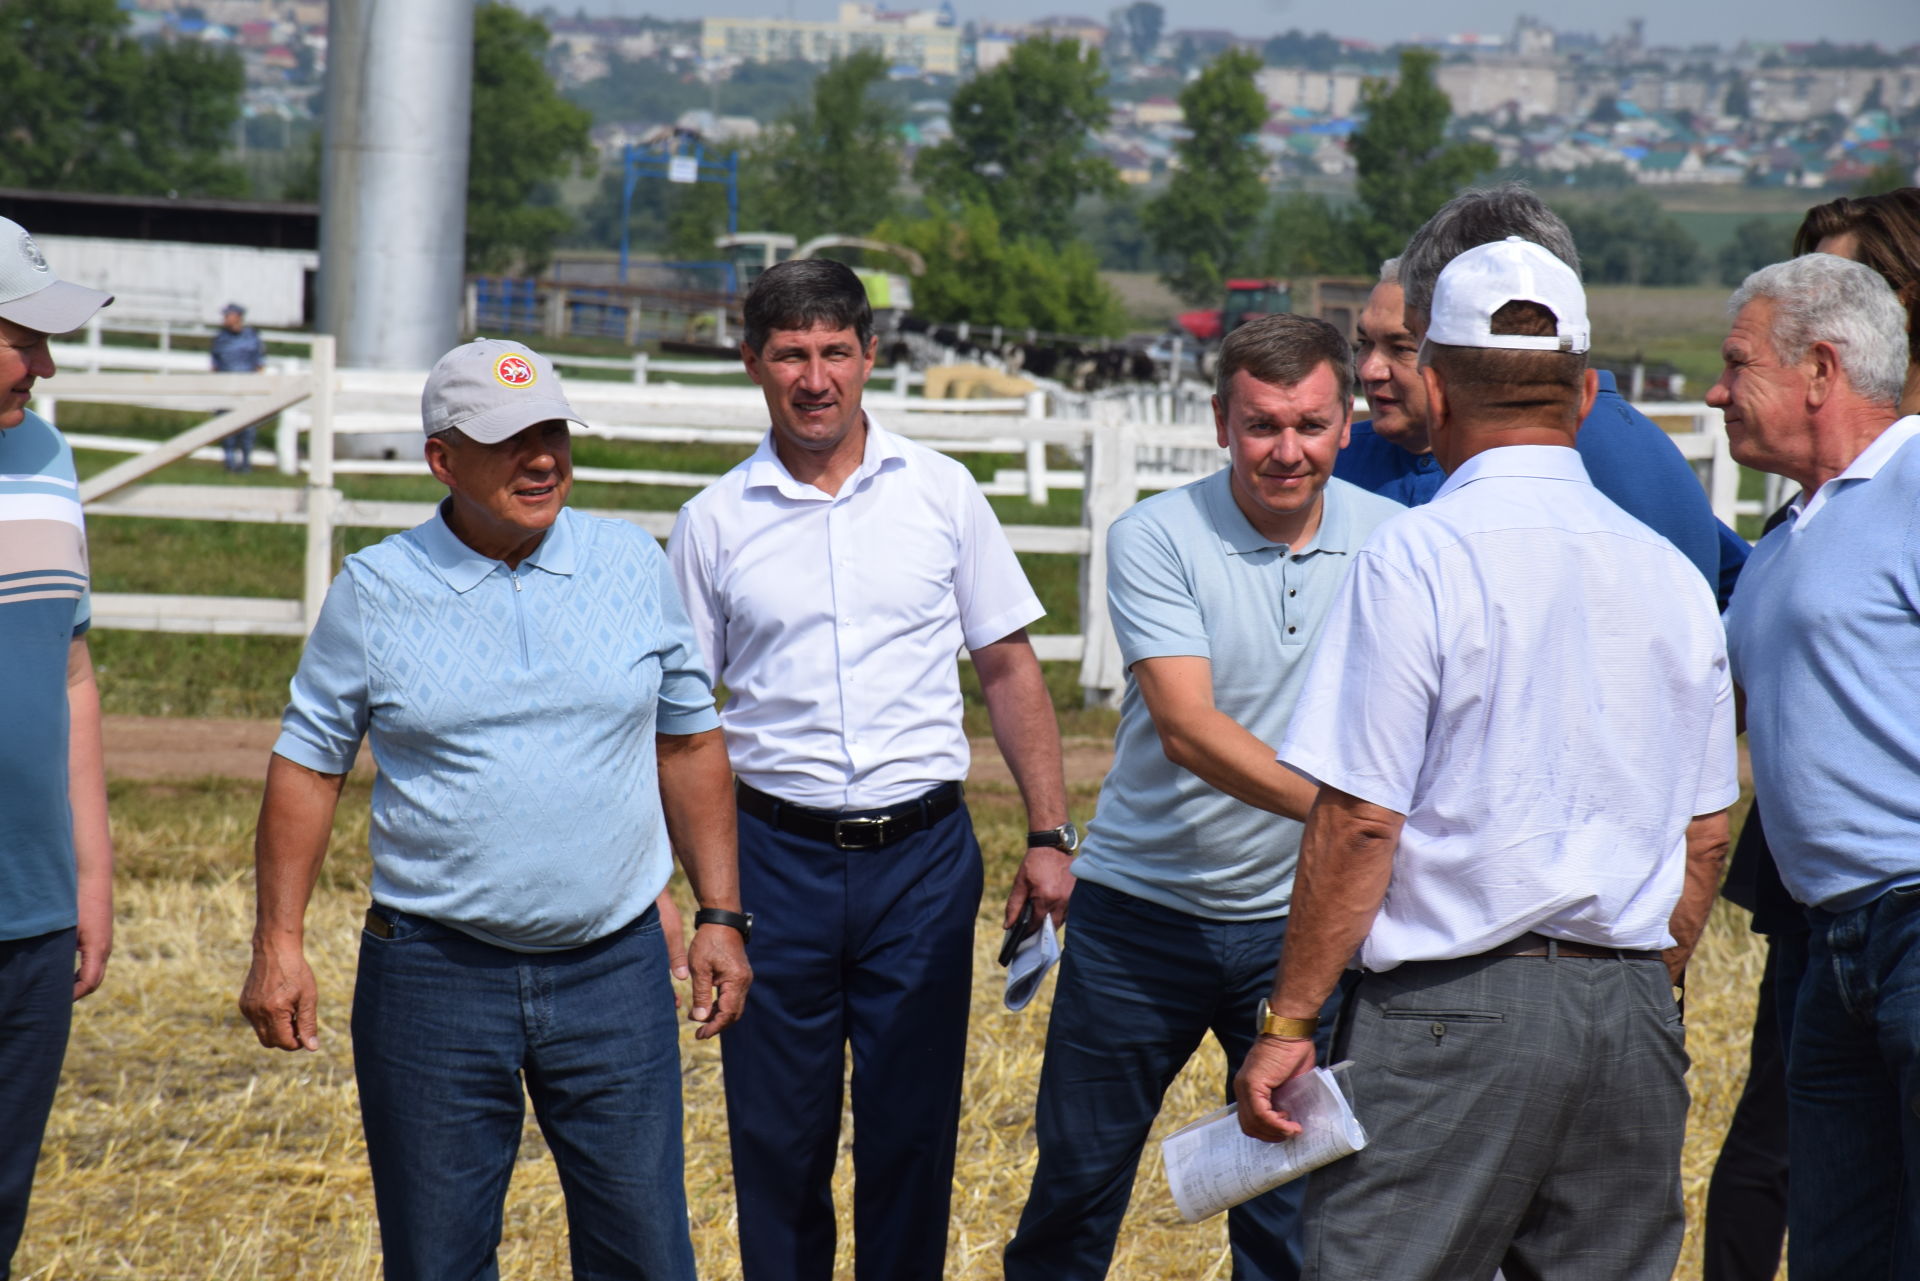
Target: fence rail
x,y
1118,445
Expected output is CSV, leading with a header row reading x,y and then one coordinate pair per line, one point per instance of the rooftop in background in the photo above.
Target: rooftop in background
x,y
260,223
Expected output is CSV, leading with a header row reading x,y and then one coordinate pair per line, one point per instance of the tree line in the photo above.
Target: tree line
x,y
1015,213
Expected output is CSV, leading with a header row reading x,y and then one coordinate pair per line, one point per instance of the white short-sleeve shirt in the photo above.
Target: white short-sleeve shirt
x,y
1539,682
836,621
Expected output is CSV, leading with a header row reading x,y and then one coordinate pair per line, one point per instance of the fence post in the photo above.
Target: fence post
x,y
166,337
320,495
286,428
1112,482
1037,452
93,344
1723,474
902,377
473,306
639,368
556,312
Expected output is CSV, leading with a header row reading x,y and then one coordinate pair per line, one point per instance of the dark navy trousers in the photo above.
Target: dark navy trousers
x,y
873,949
36,1009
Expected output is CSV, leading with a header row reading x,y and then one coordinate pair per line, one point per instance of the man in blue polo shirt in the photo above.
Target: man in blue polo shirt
x,y
1217,590
1628,457
545,732
1821,639
56,860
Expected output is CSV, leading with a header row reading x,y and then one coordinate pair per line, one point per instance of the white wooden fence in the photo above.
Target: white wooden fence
x,y
1118,443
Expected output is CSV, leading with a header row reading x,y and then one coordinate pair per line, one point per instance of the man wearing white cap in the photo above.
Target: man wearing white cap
x,y
546,738
1521,721
56,860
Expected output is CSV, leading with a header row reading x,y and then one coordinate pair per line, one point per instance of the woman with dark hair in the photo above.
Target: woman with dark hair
x,y
1747,1197
1884,233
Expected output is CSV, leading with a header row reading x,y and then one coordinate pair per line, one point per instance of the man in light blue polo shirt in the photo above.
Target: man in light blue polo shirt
x,y
1218,590
1821,636
545,733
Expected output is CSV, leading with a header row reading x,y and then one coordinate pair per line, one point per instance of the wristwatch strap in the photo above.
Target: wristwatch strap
x,y
742,921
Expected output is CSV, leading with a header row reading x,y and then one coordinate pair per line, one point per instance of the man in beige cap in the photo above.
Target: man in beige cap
x,y
56,862
546,739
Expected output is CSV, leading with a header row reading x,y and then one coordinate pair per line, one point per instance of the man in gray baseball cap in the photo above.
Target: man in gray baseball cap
x,y
544,727
56,861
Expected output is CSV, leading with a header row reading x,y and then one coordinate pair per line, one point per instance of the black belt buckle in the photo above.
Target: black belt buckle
x,y
845,828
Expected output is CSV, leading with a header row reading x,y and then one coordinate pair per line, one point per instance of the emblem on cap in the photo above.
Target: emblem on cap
x,y
31,252
514,370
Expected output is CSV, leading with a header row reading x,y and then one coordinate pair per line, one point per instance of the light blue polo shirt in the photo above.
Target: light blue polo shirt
x,y
512,716
1824,638
1187,575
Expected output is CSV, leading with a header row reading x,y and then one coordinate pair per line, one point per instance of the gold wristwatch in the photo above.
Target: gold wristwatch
x,y
1270,1024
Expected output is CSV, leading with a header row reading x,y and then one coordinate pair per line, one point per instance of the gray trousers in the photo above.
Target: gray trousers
x,y
1523,1114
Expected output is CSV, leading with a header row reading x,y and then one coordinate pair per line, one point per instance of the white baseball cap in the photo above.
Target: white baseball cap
x,y
492,389
31,295
1487,277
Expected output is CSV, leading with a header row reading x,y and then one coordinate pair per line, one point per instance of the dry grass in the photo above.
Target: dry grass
x,y
180,1149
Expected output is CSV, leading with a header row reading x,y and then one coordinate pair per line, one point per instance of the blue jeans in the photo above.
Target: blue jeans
x,y
445,1028
237,450
1853,1096
36,1008
1140,986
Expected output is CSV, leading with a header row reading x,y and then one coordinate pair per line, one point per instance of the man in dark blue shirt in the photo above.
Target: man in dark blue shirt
x,y
1628,457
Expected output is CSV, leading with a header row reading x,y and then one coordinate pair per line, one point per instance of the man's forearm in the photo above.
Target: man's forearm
x,y
296,821
1708,837
1024,726
1224,754
1346,862
87,780
696,795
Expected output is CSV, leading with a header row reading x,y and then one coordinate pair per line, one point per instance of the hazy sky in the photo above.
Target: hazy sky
x,y
1891,22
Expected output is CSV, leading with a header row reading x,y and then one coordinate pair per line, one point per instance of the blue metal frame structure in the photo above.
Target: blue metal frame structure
x,y
653,162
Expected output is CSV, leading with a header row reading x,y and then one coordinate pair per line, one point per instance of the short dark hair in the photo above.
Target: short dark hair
x,y
805,292
1887,229
1283,350
1495,382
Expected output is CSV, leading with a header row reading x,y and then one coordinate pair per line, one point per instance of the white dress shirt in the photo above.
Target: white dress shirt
x,y
835,621
1539,683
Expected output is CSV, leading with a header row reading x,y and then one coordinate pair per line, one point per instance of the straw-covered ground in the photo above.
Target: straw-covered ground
x,y
181,1149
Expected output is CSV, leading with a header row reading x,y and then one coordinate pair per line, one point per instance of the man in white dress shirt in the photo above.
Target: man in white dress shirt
x,y
832,578
1521,721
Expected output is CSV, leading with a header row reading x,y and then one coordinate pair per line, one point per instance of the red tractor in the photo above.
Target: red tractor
x,y
1246,300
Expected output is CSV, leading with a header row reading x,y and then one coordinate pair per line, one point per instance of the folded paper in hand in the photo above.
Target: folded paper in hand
x,y
1031,961
1212,1166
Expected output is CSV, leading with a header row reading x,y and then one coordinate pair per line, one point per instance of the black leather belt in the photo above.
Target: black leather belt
x,y
851,829
1531,944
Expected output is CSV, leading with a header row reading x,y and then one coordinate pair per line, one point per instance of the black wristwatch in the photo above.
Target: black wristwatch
x,y
1064,837
742,921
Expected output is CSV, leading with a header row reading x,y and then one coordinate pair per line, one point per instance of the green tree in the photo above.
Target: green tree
x,y
1632,241
1206,222
1888,175
977,274
524,137
1406,167
88,108
1020,140
832,164
1306,236
1756,243
1144,21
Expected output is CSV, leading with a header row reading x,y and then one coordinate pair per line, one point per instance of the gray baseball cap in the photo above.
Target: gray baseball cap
x,y
31,295
491,389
